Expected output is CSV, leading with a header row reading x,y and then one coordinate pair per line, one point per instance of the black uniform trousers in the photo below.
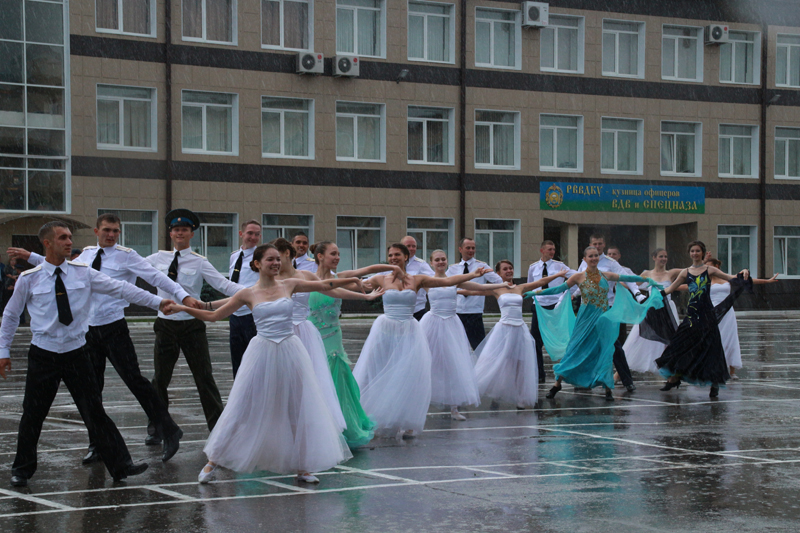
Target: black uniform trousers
x,y
172,336
536,334
621,364
46,370
243,329
113,342
473,325
419,314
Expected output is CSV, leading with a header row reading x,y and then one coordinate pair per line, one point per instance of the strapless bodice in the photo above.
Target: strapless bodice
x,y
443,301
719,291
399,305
300,307
274,319
511,309
664,285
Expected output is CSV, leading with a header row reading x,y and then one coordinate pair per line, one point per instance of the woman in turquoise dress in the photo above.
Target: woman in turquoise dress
x,y
585,359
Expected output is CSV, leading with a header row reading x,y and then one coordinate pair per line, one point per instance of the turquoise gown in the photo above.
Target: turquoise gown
x,y
584,346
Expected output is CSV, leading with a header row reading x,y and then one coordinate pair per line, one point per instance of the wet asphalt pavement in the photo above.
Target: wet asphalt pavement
x,y
649,461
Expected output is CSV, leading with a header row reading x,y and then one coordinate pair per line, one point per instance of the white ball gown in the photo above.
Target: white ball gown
x,y
276,418
312,340
728,327
453,365
642,353
506,369
394,368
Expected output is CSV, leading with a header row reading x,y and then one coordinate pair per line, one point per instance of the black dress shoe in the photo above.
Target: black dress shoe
x,y
91,457
131,470
630,387
19,481
152,440
714,392
171,445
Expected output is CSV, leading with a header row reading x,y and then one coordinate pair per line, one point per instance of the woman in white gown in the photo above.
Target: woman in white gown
x,y
394,369
276,418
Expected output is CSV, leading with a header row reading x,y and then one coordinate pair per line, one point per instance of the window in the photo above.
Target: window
x,y
680,148
126,118
496,139
786,251
497,38
209,20
787,63
34,97
623,48
682,53
562,42
736,248
496,240
210,122
287,24
287,127
431,32
430,135
138,229
561,143
621,146
738,151
216,238
286,226
739,59
787,153
359,132
133,17
361,241
360,27
431,234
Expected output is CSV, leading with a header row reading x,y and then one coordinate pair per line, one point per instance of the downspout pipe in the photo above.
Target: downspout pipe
x,y
762,159
168,108
462,141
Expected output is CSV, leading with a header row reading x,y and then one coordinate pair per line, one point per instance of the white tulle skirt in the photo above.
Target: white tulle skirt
x,y
312,340
452,363
641,353
506,369
729,332
276,418
394,375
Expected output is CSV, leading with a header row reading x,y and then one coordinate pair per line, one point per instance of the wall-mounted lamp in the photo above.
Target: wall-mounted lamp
x,y
402,76
774,99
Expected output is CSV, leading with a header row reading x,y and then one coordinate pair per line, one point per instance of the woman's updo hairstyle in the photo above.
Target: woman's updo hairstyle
x,y
437,251
657,251
499,263
402,247
713,261
258,254
319,248
283,245
701,244
586,250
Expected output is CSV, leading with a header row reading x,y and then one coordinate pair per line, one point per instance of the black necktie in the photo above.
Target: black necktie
x,y
62,300
294,263
466,268
544,273
172,273
237,268
98,260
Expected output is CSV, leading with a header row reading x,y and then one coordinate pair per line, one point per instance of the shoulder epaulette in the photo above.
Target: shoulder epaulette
x,y
236,251
479,261
418,259
92,247
77,264
124,248
198,255
30,271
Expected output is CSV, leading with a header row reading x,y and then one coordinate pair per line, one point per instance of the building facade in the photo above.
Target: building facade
x,y
465,119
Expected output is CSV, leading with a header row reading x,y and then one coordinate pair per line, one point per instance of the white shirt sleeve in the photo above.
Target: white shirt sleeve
x,y
35,259
122,290
11,314
145,270
218,281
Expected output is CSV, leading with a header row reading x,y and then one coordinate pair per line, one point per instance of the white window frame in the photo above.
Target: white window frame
x,y
452,22
579,148
234,124
282,46
382,11
422,251
282,112
153,225
639,147
309,230
698,148
756,57
450,136
203,231
234,26
517,242
581,43
786,141
120,31
120,99
642,44
517,139
788,47
753,242
775,249
355,116
699,36
754,144
517,38
382,230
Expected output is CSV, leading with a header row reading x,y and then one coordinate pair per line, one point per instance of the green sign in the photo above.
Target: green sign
x,y
569,196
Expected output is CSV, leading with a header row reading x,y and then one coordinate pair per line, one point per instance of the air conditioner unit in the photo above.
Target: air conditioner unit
x,y
716,33
345,66
310,63
535,14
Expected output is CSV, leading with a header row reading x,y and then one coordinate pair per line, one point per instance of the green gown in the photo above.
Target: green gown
x,y
325,316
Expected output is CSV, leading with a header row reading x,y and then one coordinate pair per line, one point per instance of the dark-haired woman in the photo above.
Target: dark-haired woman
x,y
276,418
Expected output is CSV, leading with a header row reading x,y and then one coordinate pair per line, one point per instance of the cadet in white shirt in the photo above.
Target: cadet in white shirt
x,y
242,326
302,261
542,268
470,308
58,294
415,266
180,331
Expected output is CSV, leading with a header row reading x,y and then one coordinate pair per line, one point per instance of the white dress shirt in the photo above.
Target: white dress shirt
x,y
193,268
304,262
416,266
247,276
36,288
470,305
606,264
123,264
553,267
